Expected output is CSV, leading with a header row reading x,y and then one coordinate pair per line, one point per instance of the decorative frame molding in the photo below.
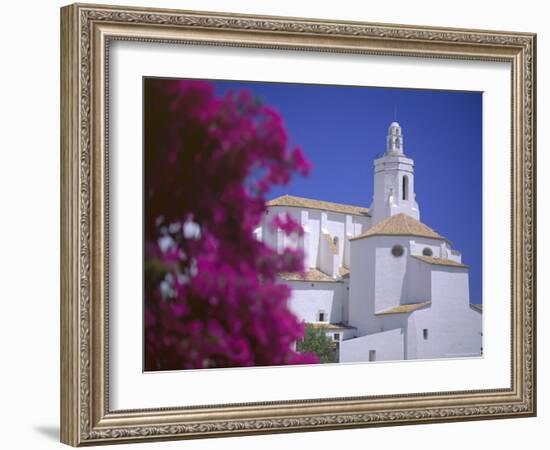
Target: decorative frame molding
x,y
86,31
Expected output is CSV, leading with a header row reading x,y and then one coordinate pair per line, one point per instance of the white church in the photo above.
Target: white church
x,y
380,283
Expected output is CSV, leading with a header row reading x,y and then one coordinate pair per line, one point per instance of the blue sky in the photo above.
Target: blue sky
x,y
342,129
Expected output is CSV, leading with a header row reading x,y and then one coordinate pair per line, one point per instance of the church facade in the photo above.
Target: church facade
x,y
380,283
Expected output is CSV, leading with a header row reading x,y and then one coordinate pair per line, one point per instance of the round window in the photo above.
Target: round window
x,y
427,251
397,250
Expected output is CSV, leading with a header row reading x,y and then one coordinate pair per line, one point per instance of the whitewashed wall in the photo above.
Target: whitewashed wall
x,y
315,223
345,300
390,271
328,259
308,298
388,346
268,236
361,286
417,282
388,175
313,226
344,333
418,244
454,329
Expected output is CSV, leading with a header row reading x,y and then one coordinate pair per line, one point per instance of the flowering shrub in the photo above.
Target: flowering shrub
x,y
211,292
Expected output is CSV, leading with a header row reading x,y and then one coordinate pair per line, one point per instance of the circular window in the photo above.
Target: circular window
x,y
397,250
427,251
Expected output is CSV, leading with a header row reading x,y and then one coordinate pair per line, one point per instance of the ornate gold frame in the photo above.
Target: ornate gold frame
x,y
86,31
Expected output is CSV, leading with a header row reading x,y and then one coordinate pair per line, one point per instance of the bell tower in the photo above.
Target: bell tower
x,y
393,180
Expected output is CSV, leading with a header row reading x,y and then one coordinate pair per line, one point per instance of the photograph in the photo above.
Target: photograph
x,y
292,224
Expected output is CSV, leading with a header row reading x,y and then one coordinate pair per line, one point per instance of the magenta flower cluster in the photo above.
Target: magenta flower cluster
x,y
211,293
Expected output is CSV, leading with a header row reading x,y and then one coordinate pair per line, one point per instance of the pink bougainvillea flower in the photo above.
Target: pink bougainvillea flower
x,y
212,298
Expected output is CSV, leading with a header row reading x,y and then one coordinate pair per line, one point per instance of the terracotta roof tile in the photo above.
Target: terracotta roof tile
x,y
400,309
331,326
309,275
301,202
439,261
344,272
400,224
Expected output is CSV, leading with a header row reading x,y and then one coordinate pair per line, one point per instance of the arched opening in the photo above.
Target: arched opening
x,y
405,189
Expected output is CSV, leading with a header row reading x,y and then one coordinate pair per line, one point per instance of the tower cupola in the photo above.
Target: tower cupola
x,y
394,140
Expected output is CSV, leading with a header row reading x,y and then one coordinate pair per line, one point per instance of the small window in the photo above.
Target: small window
x,y
405,187
336,336
372,355
425,334
427,251
335,241
322,316
397,250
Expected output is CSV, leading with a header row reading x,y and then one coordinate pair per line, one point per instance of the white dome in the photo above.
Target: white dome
x,y
395,125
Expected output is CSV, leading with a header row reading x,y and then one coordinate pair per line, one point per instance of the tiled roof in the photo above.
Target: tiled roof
x,y
400,224
331,326
400,309
439,261
344,272
301,202
309,275
477,306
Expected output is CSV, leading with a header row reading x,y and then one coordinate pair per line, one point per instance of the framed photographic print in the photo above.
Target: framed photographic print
x,y
275,224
